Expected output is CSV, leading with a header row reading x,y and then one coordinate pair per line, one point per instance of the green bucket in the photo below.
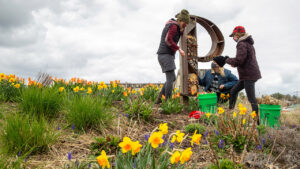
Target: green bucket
x,y
269,114
208,102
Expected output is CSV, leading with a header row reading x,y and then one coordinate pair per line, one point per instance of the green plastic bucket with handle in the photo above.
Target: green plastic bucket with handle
x,y
208,102
270,114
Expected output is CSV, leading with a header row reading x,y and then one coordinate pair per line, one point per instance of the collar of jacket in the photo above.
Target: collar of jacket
x,y
244,37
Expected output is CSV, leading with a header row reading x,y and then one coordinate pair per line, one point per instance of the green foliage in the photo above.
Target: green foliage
x,y
171,106
193,104
226,164
150,92
80,165
41,101
23,134
190,128
8,91
109,144
262,129
138,108
87,112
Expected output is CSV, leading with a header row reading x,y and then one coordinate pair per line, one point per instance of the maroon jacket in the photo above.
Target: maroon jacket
x,y
245,59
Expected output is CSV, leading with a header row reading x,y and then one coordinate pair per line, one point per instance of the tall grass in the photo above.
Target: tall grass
x,y
87,112
22,134
41,102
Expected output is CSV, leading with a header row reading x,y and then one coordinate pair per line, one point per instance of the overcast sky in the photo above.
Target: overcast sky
x,y
105,40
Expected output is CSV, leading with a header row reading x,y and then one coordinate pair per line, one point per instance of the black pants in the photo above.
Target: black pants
x,y
249,86
168,86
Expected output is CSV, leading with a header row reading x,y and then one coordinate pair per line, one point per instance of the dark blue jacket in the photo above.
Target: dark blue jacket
x,y
229,80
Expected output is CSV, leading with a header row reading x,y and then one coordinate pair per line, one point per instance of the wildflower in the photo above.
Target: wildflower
x,y
125,93
242,109
196,138
147,137
103,160
136,147
76,89
69,156
171,145
73,126
89,90
19,153
234,114
17,86
263,141
126,145
175,157
205,135
61,89
207,115
113,91
244,121
259,147
253,114
156,139
177,137
163,128
58,128
186,155
82,89
221,143
220,110
217,133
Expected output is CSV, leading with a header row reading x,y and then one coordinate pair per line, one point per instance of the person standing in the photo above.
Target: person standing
x,y
167,48
247,67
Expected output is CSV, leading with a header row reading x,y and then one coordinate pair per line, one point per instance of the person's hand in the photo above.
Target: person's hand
x,y
221,86
181,52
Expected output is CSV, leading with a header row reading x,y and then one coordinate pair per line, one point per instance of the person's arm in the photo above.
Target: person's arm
x,y
232,80
169,38
241,55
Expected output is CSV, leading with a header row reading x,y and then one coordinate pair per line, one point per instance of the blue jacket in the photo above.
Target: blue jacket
x,y
229,80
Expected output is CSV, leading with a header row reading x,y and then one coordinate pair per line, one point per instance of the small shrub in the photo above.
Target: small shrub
x,y
23,134
150,92
138,108
109,144
193,104
87,112
41,101
226,164
190,128
171,106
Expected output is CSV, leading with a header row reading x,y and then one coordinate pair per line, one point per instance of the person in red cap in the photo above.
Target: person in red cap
x,y
247,67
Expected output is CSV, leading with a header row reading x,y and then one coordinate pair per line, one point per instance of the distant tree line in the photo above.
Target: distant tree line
x,y
288,97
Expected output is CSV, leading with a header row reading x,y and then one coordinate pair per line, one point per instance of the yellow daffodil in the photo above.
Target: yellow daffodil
x,y
228,95
136,147
82,89
161,85
113,91
133,91
142,89
207,115
186,155
126,145
142,93
89,90
244,121
220,110
156,139
177,137
103,160
61,89
234,114
196,138
163,97
40,85
11,80
163,128
222,95
105,86
115,85
175,157
76,89
253,114
102,83
125,93
243,109
17,86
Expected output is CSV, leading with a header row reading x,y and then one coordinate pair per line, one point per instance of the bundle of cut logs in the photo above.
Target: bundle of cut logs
x,y
193,63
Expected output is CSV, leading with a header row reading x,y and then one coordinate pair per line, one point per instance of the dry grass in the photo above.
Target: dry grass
x,y
291,118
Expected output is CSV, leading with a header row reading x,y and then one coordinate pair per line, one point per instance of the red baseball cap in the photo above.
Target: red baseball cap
x,y
237,29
